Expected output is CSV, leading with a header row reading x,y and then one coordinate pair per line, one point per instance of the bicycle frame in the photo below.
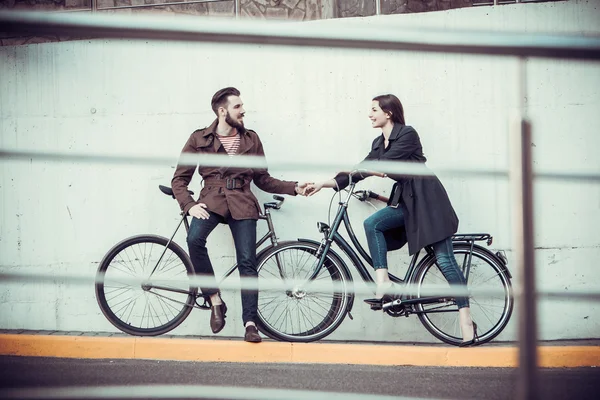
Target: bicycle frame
x,y
332,235
184,220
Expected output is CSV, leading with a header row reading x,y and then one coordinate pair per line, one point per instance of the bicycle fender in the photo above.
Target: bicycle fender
x,y
465,246
493,256
344,266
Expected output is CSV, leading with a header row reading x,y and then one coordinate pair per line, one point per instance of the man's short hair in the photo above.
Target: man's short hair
x,y
220,98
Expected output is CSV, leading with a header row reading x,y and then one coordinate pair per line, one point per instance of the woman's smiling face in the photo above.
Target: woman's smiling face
x,y
377,116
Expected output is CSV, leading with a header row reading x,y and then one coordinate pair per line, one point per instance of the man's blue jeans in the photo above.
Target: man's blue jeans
x,y
244,238
389,218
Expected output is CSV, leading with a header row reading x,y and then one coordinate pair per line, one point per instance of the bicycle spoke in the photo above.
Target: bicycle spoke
x,y
266,300
281,316
128,272
129,306
274,309
322,316
132,301
126,263
270,273
170,264
303,321
167,308
119,292
135,256
145,260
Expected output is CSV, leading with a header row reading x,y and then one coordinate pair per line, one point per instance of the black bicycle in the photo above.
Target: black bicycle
x,y
143,284
308,311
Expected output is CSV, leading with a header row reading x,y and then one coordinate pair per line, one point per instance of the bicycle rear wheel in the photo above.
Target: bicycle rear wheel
x,y
301,313
490,311
143,286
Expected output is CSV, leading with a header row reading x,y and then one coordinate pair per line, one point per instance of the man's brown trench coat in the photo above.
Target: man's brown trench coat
x,y
239,202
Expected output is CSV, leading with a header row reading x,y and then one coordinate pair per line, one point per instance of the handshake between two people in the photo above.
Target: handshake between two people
x,y
310,188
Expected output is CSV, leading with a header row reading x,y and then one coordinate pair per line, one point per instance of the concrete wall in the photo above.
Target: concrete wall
x,y
145,98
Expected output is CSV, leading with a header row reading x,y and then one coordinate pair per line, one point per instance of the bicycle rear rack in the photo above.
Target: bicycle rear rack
x,y
473,237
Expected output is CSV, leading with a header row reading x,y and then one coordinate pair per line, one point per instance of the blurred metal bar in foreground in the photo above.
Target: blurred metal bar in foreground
x,y
179,392
9,277
338,35
521,177
407,168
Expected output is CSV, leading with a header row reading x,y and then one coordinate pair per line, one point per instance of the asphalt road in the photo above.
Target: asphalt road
x,y
237,380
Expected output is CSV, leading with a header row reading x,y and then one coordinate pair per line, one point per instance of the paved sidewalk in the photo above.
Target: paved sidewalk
x,y
556,354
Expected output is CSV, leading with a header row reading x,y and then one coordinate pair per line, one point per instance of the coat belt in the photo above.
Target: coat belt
x,y
227,183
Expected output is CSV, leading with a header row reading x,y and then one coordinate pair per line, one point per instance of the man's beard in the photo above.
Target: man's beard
x,y
235,124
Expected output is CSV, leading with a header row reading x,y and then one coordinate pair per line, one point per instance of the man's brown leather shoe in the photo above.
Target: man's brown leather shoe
x,y
252,335
217,317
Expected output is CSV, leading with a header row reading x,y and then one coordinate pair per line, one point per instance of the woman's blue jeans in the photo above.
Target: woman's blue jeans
x,y
390,218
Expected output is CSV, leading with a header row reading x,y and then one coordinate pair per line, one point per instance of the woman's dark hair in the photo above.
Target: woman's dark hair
x,y
390,104
220,98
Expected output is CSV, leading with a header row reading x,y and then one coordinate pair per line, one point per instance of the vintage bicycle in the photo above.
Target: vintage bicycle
x,y
306,315
143,284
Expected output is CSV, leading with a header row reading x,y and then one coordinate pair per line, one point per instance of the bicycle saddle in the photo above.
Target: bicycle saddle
x,y
274,205
169,192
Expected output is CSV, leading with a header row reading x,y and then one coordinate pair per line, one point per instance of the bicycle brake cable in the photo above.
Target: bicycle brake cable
x,y
329,210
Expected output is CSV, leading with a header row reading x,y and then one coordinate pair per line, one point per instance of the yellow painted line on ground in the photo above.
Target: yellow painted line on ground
x,y
211,350
279,352
66,346
569,356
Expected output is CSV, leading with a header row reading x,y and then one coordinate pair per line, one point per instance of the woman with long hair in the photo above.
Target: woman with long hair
x,y
419,210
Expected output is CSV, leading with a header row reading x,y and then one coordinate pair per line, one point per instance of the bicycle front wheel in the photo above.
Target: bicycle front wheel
x,y
293,309
490,311
143,286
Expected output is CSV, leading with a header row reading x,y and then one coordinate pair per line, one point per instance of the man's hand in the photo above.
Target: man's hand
x,y
199,211
301,188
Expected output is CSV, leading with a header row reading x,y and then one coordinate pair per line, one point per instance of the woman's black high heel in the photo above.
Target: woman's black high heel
x,y
472,341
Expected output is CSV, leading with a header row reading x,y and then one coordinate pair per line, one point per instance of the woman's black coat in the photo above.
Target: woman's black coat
x,y
428,213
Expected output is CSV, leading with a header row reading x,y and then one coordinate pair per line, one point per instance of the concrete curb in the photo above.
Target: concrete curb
x,y
210,350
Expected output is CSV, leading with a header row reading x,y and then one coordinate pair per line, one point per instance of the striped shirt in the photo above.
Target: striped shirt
x,y
231,143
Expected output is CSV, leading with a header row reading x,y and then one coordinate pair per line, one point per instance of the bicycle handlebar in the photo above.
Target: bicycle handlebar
x,y
379,174
363,195
363,172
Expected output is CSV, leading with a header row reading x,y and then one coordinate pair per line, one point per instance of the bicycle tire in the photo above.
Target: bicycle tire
x,y
485,268
296,326
131,260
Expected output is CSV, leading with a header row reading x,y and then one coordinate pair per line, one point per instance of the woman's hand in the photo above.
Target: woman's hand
x,y
313,188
